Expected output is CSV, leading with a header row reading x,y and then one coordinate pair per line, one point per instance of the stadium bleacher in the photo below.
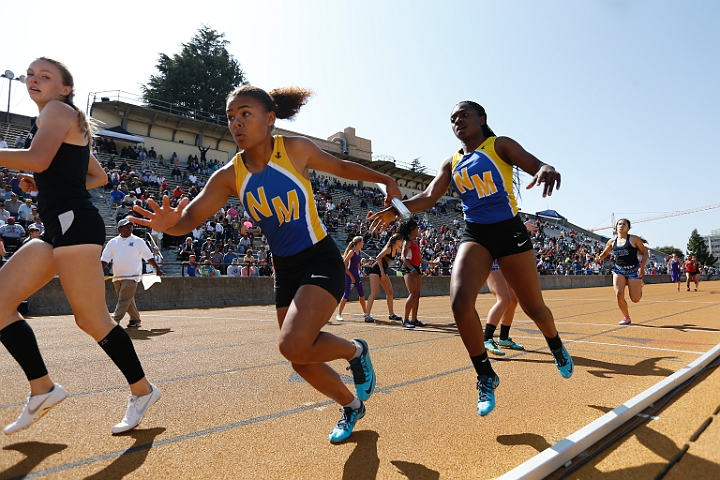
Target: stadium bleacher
x,y
451,217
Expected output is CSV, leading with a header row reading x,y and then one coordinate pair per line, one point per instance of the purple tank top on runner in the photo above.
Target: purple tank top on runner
x,y
355,264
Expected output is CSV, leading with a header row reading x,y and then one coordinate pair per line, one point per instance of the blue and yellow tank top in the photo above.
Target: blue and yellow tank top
x,y
281,202
485,184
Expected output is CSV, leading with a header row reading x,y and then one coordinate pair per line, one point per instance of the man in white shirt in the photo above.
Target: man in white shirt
x,y
126,252
4,214
25,213
3,143
11,233
198,233
245,242
234,270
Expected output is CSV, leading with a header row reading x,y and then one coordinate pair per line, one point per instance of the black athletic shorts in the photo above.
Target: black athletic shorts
x,y
407,271
74,227
375,269
501,239
320,265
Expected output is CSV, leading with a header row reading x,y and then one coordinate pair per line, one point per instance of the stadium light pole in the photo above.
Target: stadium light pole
x,y
11,76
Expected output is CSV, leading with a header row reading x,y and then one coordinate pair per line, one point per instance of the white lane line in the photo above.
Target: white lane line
x,y
195,317
634,346
645,301
613,326
606,344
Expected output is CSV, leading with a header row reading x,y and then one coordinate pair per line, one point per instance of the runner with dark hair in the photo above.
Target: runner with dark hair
x,y
271,177
629,270
482,174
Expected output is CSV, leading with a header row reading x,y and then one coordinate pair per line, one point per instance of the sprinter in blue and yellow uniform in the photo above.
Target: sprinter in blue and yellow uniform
x,y
482,174
271,177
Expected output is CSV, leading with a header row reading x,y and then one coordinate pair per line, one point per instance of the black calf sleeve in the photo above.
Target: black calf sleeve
x,y
120,349
20,341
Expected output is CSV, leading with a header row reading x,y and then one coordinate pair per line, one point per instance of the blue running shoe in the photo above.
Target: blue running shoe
x,y
395,318
409,325
363,372
493,348
510,344
344,428
418,323
563,362
486,393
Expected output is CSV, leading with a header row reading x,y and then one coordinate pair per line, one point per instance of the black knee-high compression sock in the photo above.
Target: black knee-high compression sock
x,y
482,365
489,331
20,341
120,349
504,332
554,343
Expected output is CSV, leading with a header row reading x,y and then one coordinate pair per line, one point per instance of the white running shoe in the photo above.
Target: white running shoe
x,y
339,316
136,410
36,407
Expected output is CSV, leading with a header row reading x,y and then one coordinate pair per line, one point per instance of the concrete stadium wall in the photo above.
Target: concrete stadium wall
x,y
189,292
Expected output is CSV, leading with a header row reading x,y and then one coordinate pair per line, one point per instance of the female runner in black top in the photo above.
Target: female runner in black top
x,y
59,154
378,275
629,269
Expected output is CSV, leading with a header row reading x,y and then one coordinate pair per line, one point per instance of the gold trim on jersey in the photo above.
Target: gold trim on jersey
x,y
257,206
485,185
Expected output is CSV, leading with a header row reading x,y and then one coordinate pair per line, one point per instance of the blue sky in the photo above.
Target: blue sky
x,y
620,96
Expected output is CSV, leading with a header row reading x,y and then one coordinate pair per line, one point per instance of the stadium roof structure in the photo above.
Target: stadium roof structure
x,y
390,168
120,133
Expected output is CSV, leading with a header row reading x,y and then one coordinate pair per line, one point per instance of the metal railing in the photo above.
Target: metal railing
x,y
155,104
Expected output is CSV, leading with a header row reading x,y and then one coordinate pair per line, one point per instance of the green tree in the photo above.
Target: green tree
x,y
669,250
697,246
198,78
415,166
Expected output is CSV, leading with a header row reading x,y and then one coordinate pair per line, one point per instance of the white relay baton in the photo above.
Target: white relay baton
x,y
397,203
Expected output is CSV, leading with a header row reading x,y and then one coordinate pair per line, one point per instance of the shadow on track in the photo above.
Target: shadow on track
x,y
137,334
132,458
35,453
363,463
643,368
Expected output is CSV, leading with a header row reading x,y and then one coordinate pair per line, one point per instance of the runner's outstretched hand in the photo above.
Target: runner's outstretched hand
x,y
161,218
549,176
380,220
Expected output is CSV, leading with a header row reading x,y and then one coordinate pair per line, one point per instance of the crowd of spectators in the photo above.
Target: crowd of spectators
x,y
563,251
226,243
131,185
19,219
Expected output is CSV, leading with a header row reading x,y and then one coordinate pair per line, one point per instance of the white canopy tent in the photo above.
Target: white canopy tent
x,y
120,136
